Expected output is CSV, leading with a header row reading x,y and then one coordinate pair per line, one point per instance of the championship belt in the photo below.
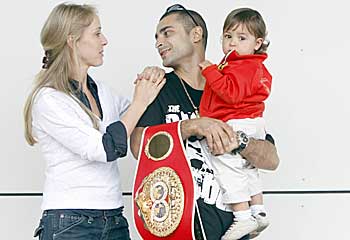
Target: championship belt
x,y
163,192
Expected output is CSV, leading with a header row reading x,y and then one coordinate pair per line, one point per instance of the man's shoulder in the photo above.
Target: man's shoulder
x,y
171,83
171,77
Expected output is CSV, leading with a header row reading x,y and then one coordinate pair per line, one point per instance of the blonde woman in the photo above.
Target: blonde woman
x,y
82,128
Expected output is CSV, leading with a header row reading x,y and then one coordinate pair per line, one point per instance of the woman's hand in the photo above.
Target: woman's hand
x,y
144,94
150,73
147,90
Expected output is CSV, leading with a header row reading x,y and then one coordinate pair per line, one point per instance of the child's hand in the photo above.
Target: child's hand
x,y
203,65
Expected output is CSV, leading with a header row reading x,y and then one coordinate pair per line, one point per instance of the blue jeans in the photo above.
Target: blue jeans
x,y
83,224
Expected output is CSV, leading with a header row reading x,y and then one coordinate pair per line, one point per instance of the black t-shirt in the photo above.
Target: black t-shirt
x,y
172,105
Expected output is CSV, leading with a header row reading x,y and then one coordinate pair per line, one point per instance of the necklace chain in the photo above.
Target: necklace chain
x,y
190,99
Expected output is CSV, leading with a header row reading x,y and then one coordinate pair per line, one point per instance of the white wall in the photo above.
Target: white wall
x,y
307,112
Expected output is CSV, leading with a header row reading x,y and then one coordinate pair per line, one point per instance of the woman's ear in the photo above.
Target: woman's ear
x,y
70,41
197,34
258,43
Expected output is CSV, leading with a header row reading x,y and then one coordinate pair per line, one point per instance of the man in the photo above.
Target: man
x,y
181,38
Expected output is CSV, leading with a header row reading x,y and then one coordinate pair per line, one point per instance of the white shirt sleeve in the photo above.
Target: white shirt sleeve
x,y
57,118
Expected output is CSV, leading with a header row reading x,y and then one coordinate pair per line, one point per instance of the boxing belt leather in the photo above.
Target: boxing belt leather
x,y
163,191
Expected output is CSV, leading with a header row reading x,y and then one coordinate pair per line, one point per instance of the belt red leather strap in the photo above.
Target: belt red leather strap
x,y
163,191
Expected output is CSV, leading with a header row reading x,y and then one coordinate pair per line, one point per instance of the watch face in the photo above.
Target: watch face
x,y
243,138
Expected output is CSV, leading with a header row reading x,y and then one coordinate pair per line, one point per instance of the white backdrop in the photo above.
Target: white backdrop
x,y
307,112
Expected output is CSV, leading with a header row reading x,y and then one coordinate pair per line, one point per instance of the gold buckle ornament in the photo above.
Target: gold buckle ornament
x,y
160,200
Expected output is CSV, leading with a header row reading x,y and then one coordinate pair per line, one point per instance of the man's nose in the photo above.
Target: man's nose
x,y
159,43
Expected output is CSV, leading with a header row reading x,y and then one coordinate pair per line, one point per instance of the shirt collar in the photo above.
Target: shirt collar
x,y
232,56
89,81
92,86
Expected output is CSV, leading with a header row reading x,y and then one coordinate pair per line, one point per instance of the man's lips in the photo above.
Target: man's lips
x,y
163,52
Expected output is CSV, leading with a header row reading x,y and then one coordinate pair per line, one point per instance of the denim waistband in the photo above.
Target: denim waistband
x,y
86,212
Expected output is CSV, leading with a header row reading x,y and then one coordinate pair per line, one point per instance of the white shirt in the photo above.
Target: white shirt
x,y
77,172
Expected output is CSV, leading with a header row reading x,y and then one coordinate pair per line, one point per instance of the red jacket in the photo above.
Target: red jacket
x,y
238,90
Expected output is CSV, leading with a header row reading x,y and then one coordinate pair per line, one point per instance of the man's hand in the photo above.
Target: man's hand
x,y
220,136
261,154
222,139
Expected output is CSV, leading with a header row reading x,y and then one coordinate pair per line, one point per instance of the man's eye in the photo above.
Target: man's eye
x,y
166,33
98,34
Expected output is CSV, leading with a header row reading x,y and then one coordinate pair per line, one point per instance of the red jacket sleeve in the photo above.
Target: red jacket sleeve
x,y
234,82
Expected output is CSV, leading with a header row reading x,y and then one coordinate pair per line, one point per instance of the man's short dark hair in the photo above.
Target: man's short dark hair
x,y
188,22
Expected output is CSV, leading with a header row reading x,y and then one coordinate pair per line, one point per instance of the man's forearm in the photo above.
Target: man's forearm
x,y
187,129
135,141
261,154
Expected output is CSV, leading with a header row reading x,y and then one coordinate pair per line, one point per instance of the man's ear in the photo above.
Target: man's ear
x,y
197,34
258,43
70,41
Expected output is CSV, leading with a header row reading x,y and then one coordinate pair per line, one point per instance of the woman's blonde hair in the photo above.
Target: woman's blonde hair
x,y
65,21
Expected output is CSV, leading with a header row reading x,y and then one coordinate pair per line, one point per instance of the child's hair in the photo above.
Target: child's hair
x,y
252,20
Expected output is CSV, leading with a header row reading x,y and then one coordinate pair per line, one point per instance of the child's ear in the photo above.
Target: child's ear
x,y
197,34
259,42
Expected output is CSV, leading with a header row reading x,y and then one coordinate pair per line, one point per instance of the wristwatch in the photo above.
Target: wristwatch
x,y
242,140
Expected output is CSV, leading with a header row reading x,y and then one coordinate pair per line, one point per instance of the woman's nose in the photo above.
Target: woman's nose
x,y
104,40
